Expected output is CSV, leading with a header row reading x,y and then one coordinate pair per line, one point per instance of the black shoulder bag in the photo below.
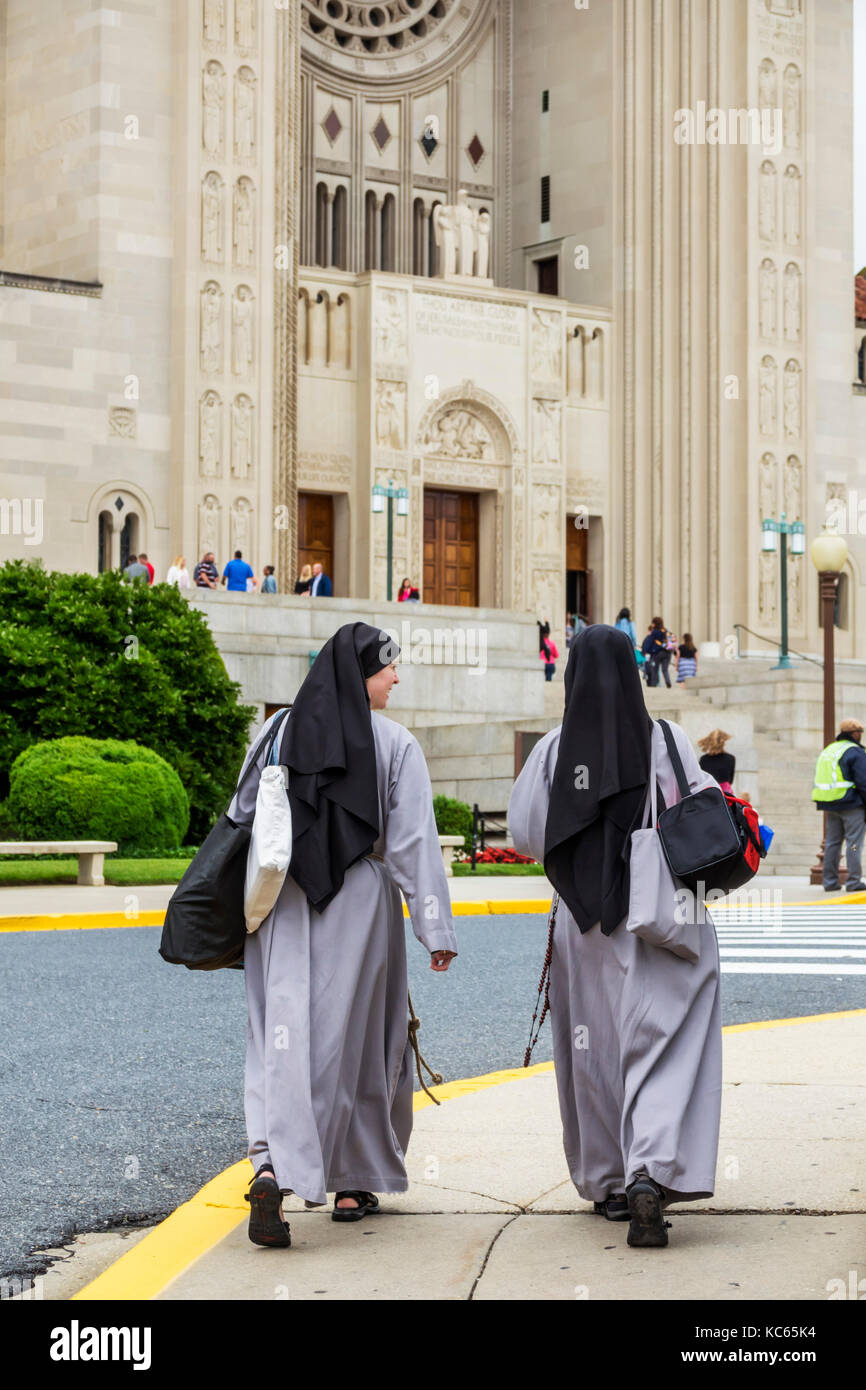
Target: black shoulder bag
x,y
204,926
702,843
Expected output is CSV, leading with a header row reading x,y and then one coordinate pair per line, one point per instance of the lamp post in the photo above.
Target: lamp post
x,y
770,530
829,553
377,505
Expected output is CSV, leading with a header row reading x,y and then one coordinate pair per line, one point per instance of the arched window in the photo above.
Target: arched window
x,y
321,224
389,229
338,229
419,244
370,261
432,248
129,539
104,554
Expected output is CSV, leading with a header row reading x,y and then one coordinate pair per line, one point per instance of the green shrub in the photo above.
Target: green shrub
x,y
453,818
97,789
88,654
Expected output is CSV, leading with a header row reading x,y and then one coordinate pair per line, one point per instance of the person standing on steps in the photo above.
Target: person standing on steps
x,y
329,1076
637,1031
840,790
715,760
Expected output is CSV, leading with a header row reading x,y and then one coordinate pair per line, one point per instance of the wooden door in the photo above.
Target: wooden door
x,y
450,548
315,532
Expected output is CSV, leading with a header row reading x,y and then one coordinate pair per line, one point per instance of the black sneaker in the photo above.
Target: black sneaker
x,y
647,1226
613,1208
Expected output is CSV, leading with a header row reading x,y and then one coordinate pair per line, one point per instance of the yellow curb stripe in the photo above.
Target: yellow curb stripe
x,y
489,907
82,921
785,1022
218,1208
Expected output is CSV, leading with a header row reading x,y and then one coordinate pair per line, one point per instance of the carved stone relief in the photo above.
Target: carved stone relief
x,y
242,437
459,433
767,299
768,486
210,435
791,106
791,297
240,527
242,330
212,217
245,113
767,201
546,537
767,586
390,324
793,488
209,525
121,421
768,388
243,222
211,327
792,399
545,432
792,205
391,414
213,108
546,345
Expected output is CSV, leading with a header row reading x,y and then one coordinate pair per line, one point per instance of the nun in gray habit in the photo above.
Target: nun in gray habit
x,y
329,1080
636,1030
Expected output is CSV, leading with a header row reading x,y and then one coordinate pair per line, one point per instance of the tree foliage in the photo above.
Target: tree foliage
x,y
94,655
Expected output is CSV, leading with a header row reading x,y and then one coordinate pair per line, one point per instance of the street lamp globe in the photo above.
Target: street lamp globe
x,y
829,553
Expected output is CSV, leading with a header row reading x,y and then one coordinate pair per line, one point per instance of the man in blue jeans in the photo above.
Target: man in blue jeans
x,y
236,574
840,790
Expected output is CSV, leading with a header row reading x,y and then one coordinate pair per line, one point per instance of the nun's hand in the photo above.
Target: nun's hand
x,y
440,960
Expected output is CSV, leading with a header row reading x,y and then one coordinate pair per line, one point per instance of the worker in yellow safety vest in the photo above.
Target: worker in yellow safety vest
x,y
840,790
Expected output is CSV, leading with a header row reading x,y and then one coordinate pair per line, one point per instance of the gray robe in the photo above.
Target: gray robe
x,y
637,1040
328,1083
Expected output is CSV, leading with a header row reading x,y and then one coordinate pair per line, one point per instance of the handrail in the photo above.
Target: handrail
x,y
775,643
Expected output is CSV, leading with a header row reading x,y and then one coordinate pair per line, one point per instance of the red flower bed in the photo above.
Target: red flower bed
x,y
499,855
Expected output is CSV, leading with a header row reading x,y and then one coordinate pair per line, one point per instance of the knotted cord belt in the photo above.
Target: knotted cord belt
x,y
435,1077
414,1026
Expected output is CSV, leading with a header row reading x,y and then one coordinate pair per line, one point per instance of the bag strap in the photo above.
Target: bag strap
x,y
676,760
269,739
651,802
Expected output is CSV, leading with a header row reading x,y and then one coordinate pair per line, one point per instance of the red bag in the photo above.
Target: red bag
x,y
746,820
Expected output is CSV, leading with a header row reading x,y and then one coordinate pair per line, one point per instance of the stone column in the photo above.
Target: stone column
x,y
286,228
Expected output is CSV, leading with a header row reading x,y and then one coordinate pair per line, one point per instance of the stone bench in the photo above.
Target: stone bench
x,y
448,844
91,855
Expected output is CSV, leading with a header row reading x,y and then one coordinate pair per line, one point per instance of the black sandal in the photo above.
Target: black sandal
x,y
267,1226
367,1202
613,1208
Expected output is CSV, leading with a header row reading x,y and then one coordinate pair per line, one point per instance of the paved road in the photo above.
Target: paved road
x,y
121,1078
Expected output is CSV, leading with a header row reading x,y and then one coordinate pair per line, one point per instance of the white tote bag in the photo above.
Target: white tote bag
x,y
661,911
270,848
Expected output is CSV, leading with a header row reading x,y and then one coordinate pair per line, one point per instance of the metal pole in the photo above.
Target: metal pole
x,y
784,662
827,583
390,537
784,659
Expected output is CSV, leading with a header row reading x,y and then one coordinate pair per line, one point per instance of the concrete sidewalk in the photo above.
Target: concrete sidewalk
x,y
491,1214
131,904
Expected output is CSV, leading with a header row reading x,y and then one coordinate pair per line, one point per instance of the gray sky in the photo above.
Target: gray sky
x,y
859,134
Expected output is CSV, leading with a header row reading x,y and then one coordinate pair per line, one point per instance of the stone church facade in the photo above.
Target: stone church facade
x,y
223,320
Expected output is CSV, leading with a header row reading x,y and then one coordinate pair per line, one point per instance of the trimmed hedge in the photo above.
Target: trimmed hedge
x,y
453,818
97,789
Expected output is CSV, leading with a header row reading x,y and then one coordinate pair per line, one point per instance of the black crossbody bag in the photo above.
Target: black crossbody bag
x,y
702,843
204,926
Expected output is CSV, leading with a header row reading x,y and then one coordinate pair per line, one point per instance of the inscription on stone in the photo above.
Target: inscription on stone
x,y
448,316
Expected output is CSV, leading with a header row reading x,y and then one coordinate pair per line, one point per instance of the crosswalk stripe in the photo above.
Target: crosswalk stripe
x,y
782,967
774,951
